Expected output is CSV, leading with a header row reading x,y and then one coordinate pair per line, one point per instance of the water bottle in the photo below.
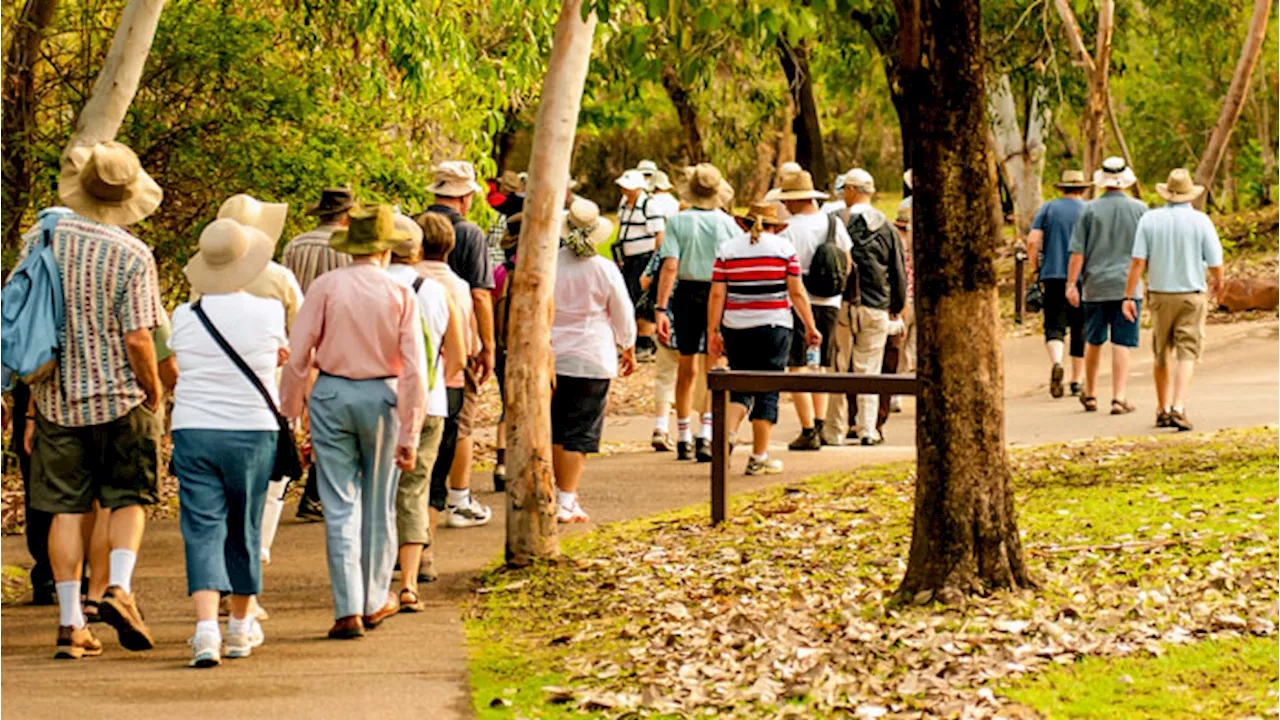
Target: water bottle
x,y
812,357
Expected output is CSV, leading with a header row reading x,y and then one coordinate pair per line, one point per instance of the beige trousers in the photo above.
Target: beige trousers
x,y
861,333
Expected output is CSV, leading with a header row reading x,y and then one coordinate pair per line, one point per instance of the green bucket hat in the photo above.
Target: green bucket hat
x,y
372,230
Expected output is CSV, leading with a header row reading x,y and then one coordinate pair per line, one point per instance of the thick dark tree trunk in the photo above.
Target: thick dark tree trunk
x,y
505,140
809,150
19,112
906,121
682,100
965,534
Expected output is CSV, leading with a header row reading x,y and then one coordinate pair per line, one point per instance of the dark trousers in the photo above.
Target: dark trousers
x,y
38,521
892,351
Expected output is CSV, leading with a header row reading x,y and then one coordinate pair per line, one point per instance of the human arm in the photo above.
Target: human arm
x,y
139,313
897,277
800,301
715,314
454,345
1034,239
1073,278
1129,307
622,317
1211,253
666,281
140,348
411,385
308,327
482,301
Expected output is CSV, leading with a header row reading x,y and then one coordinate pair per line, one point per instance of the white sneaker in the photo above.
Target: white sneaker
x,y
571,513
766,466
470,514
205,650
256,611
241,644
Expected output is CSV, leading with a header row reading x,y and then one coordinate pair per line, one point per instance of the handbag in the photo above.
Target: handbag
x,y
288,463
1035,298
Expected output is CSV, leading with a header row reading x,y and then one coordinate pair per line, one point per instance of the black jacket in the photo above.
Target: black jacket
x,y
882,271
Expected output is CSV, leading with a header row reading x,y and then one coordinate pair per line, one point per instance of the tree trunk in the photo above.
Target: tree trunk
x,y
906,125
1020,148
1136,188
1096,68
1234,101
1266,140
531,491
809,150
965,534
19,113
100,119
694,151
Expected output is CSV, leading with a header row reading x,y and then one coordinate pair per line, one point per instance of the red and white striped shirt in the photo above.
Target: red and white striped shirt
x,y
756,276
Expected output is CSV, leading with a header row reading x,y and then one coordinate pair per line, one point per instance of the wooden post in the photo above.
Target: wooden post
x,y
719,455
531,490
1019,282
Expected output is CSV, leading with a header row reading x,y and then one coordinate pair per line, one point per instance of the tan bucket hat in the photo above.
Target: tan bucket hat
x,y
455,178
647,167
762,214
704,187
1180,188
661,181
372,230
1115,174
409,247
510,182
106,183
231,255
247,210
799,186
583,229
1073,180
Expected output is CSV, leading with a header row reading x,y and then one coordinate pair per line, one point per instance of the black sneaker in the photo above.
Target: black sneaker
x,y
1075,389
871,441
684,450
310,510
500,478
807,440
702,450
1055,381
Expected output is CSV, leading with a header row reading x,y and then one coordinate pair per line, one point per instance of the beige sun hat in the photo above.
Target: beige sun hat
x,y
703,187
405,224
106,183
455,178
247,210
1072,179
661,181
1115,174
647,167
1180,188
799,186
231,255
583,229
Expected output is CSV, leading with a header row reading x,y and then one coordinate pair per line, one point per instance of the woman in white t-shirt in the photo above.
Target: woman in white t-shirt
x,y
225,432
446,351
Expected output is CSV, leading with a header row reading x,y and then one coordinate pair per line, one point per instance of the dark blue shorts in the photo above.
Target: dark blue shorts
x,y
1103,318
758,348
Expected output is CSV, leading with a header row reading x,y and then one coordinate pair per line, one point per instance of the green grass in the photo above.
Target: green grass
x,y
1233,678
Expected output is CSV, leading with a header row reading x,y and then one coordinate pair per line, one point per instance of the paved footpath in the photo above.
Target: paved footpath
x,y
415,665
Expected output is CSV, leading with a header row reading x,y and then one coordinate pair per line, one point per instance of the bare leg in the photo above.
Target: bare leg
x,y
803,403
66,546
410,558
125,527
1077,369
760,432
734,418
240,606
1119,371
96,526
568,468
206,602
819,405
460,470
1160,373
1092,359
1182,381
684,385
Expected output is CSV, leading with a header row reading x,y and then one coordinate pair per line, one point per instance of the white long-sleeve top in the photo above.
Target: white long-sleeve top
x,y
594,317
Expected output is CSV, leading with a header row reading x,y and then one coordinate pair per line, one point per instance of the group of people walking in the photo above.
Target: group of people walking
x,y
1089,258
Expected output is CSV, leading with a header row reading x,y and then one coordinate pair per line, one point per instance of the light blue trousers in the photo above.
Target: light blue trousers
x,y
354,428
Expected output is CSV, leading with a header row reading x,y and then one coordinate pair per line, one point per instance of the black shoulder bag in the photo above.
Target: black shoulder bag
x,y
288,462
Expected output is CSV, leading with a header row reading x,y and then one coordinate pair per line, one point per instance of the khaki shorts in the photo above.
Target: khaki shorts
x,y
114,463
664,385
1177,325
413,523
470,404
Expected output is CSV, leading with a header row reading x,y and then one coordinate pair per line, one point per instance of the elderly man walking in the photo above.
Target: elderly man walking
x,y
96,430
1101,248
640,229
1175,244
1047,246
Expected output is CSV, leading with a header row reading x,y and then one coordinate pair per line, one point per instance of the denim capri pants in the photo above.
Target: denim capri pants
x,y
222,487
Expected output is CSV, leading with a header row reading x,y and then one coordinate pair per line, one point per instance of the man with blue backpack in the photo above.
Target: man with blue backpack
x,y
87,298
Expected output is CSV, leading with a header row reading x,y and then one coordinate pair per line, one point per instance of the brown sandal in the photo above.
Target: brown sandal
x,y
1090,403
410,602
1122,407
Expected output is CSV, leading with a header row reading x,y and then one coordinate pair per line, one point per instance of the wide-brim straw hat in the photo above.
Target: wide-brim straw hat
x,y
372,229
799,186
583,228
1180,188
231,255
332,201
510,183
410,247
1115,174
763,213
455,178
106,183
704,187
248,210
1072,180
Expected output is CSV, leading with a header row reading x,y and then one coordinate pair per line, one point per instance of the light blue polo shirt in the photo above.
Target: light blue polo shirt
x,y
1178,242
693,236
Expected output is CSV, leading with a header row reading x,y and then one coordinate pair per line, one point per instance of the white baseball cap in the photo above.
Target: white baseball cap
x,y
861,180
632,180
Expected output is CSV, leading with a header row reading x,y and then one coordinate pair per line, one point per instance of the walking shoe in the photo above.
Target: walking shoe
x,y
767,466
310,510
119,609
427,568
1055,380
373,621
1163,420
256,611
571,513
646,355
1122,407
347,628
1075,389
241,644
205,649
661,441
895,404
807,440
90,610
75,643
684,450
500,478
702,450
471,514
1178,419
852,434
870,441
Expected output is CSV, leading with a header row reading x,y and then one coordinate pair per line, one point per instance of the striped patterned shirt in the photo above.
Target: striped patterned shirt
x,y
111,288
639,225
309,256
756,275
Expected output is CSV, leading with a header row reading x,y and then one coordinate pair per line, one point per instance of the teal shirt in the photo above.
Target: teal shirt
x,y
1178,242
1104,234
693,237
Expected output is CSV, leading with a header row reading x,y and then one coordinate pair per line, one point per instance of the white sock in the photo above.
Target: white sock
x,y
682,424
211,627
234,626
1175,409
122,562
69,612
271,516
458,498
662,424
566,499
759,458
706,426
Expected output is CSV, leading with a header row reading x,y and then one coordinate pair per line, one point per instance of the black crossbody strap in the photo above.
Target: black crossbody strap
x,y
235,357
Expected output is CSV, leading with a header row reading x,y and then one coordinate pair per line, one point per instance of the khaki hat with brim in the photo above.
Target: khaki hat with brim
x,y
106,183
703,187
410,247
1180,188
332,201
247,210
1073,179
903,220
372,229
510,182
455,178
798,186
763,214
661,181
583,229
231,255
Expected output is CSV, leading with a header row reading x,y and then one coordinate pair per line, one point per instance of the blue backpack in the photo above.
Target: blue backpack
x,y
33,311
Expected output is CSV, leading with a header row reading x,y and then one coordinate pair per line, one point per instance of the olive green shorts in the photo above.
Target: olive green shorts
x,y
114,463
413,521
